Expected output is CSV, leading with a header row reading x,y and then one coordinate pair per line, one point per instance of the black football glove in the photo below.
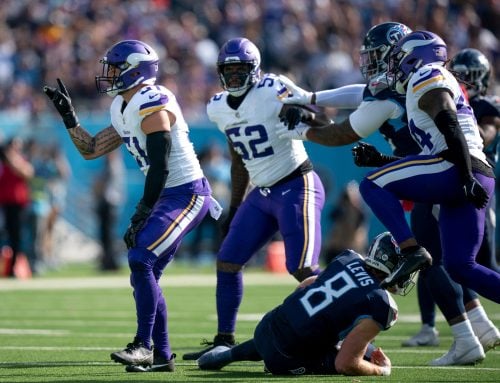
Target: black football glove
x,y
61,100
224,227
293,116
475,193
136,223
365,154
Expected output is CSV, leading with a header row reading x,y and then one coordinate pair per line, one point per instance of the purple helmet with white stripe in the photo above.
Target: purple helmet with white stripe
x,y
410,53
242,52
125,65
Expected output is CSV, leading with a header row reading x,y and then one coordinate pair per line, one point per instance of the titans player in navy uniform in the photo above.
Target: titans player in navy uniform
x,y
344,303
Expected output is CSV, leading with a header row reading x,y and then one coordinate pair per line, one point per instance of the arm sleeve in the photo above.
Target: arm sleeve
x,y
370,116
458,152
346,97
158,145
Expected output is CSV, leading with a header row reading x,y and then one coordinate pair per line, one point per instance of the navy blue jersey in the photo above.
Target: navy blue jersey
x,y
317,317
487,106
395,131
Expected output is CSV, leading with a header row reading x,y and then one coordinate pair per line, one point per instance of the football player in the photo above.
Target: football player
x,y
286,195
472,69
148,120
343,304
451,170
384,109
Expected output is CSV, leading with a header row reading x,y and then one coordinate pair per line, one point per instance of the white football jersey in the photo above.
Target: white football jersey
x,y
183,164
423,128
252,131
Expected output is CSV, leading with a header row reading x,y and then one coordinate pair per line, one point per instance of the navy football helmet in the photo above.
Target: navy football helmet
x,y
373,55
384,255
242,52
125,65
410,53
473,69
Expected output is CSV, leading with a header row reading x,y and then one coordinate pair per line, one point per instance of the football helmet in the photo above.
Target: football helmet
x,y
410,53
384,255
246,55
473,69
125,65
373,55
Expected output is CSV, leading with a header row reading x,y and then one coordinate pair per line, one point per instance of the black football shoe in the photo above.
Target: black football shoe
x,y
219,340
134,354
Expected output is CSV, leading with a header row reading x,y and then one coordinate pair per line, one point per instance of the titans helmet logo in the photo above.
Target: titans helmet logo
x,y
396,33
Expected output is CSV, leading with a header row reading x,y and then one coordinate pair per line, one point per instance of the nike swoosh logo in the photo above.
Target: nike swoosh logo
x,y
286,191
153,96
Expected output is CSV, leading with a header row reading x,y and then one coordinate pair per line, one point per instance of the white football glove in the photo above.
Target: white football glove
x,y
299,133
293,94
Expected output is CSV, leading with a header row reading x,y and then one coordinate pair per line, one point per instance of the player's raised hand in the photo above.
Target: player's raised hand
x,y
62,101
293,94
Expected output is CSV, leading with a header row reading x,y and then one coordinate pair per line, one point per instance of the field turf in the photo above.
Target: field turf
x,y
62,328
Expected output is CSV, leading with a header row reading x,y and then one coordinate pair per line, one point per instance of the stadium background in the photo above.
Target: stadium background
x,y
315,42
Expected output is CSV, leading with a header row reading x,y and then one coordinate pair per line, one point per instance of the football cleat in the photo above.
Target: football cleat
x,y
468,351
215,359
488,335
160,364
219,340
427,336
134,354
416,260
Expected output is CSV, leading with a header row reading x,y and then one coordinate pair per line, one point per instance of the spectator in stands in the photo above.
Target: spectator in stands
x,y
15,173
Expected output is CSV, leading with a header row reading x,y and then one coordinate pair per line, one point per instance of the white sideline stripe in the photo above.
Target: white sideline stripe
x,y
191,280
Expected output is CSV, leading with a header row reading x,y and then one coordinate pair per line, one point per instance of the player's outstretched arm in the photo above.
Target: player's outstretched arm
x,y
89,146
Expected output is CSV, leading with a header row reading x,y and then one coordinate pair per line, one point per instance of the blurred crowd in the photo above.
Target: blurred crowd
x,y
315,41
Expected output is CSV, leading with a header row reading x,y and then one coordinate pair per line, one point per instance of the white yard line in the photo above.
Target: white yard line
x,y
192,280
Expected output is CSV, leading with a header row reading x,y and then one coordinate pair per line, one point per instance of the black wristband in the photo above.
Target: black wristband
x,y
313,98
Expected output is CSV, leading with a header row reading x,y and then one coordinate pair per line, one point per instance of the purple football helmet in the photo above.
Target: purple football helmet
x,y
410,53
125,65
374,53
242,52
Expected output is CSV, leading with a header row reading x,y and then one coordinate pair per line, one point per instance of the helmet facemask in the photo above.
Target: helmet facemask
x,y
237,77
372,61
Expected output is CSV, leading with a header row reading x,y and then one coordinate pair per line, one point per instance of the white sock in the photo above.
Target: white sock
x,y
477,315
462,330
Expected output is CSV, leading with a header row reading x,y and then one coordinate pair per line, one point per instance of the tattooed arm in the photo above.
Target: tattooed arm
x,y
91,147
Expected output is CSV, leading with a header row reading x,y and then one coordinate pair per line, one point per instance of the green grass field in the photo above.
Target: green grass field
x,y
62,328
